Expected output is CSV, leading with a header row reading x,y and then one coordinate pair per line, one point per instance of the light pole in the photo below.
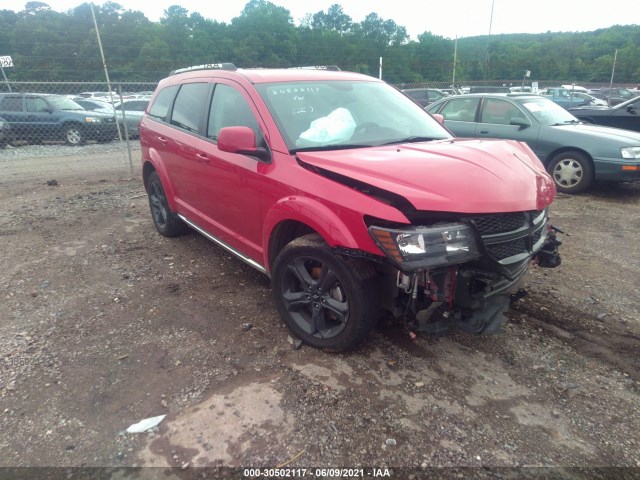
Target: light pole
x,y
527,74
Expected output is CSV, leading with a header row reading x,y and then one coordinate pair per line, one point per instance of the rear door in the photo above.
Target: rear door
x,y
12,110
179,141
460,115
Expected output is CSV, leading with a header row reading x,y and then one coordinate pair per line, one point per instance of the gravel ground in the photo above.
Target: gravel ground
x,y
104,323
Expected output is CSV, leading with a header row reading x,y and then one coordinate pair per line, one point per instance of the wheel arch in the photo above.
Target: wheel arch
x,y
284,233
589,170
149,167
553,154
294,217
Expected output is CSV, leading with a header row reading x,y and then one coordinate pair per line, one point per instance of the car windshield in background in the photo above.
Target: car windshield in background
x,y
548,112
63,103
344,114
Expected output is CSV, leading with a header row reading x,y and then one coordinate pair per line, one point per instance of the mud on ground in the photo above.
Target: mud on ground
x,y
104,323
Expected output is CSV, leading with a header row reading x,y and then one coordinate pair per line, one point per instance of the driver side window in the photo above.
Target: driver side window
x,y
36,105
229,108
499,112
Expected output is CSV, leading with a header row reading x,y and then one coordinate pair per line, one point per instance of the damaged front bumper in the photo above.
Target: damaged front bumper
x,y
475,295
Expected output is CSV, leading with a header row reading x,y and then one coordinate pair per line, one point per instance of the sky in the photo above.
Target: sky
x,y
458,18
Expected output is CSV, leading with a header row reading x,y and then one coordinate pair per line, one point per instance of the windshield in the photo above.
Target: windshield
x,y
346,114
63,103
548,112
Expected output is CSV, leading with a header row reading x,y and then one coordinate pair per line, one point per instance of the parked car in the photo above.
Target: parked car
x,y
624,115
450,91
574,153
104,96
614,95
38,117
489,89
590,100
563,97
350,206
93,105
133,111
5,132
576,88
424,96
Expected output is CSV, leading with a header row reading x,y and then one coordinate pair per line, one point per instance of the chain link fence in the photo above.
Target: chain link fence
x,y
63,125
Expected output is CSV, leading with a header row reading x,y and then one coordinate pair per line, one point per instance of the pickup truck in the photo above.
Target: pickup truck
x,y
563,97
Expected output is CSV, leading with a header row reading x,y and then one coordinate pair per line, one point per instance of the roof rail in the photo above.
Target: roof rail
x,y
206,66
332,68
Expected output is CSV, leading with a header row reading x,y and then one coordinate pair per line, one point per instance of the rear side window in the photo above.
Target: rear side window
x,y
11,104
189,106
461,109
136,106
162,103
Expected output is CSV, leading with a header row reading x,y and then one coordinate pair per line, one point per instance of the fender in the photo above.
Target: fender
x,y
320,218
154,159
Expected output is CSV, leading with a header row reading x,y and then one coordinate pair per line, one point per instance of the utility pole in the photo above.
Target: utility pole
x,y
106,75
455,56
488,66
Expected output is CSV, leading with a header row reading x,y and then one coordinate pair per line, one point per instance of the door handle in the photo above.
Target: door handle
x,y
484,132
162,140
202,158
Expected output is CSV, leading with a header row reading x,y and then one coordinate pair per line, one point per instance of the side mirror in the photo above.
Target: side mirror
x,y
519,121
632,109
439,118
241,140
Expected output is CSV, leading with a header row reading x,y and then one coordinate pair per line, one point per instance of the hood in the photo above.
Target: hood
x,y
586,108
455,175
619,136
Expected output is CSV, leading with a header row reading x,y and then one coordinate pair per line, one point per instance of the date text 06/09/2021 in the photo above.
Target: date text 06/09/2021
x,y
316,472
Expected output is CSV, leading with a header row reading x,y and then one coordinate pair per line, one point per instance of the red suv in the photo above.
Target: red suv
x,y
348,195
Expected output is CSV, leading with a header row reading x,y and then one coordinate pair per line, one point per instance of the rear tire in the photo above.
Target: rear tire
x,y
572,172
167,223
326,300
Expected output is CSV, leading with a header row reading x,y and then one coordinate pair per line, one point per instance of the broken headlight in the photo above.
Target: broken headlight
x,y
426,247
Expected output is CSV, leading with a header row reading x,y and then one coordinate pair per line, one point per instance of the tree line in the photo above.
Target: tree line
x,y
47,45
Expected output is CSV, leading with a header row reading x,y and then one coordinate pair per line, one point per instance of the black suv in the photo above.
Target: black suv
x,y
37,117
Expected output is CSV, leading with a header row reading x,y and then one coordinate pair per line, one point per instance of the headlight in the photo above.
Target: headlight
x,y
92,120
630,152
426,247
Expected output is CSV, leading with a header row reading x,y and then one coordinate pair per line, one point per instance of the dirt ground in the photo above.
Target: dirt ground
x,y
104,323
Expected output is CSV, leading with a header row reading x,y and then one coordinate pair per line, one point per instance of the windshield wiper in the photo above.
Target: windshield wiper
x,y
413,139
319,148
567,122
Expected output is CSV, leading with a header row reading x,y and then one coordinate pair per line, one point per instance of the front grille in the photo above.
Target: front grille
x,y
511,237
500,251
500,223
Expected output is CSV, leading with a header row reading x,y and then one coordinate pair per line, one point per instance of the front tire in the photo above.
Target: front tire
x,y
326,300
167,223
571,171
73,134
